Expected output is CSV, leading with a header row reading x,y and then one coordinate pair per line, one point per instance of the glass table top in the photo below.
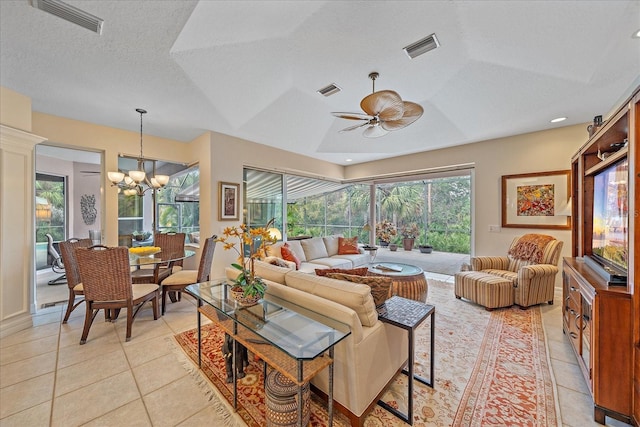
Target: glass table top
x,y
158,258
394,269
299,332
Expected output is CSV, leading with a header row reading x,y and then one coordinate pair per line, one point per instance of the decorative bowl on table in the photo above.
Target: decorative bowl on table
x,y
143,251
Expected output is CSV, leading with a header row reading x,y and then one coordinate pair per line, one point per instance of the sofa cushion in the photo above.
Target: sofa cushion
x,y
356,260
331,243
333,262
314,248
348,245
353,295
310,267
296,248
288,255
270,272
380,285
362,271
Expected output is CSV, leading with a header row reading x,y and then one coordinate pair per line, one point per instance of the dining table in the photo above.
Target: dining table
x,y
155,267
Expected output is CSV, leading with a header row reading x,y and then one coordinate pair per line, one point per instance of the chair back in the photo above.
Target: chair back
x,y
204,269
68,254
170,242
57,260
549,254
105,273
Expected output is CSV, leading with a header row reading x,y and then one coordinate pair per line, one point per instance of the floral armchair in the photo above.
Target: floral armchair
x,y
530,264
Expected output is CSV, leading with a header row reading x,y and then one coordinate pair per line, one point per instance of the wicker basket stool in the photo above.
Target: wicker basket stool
x,y
282,406
488,290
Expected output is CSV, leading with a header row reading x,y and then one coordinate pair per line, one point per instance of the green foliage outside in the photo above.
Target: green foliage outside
x,y
53,192
440,207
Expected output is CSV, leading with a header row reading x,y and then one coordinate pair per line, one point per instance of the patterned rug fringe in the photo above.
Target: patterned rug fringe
x,y
226,415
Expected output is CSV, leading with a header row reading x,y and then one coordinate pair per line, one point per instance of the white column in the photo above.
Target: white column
x,y
17,228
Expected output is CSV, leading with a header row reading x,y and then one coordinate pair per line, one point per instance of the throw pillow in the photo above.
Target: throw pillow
x,y
289,255
276,261
380,285
348,246
362,271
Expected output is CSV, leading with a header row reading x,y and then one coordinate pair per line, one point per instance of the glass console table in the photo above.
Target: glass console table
x,y
289,338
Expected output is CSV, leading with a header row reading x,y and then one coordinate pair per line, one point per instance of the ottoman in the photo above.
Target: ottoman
x,y
485,289
282,401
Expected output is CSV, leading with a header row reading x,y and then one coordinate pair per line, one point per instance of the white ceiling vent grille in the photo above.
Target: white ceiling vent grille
x,y
329,90
70,13
422,46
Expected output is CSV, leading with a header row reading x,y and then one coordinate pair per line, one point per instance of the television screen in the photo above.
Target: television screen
x,y
611,215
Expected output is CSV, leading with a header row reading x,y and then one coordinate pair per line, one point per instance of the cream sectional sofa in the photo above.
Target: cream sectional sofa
x,y
368,359
319,252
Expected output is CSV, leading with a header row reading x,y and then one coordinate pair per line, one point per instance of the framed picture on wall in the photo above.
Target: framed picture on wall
x,y
229,201
535,200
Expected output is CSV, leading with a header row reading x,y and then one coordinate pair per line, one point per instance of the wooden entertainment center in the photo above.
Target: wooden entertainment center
x,y
600,314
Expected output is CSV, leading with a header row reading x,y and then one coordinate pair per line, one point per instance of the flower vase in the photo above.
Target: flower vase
x,y
242,299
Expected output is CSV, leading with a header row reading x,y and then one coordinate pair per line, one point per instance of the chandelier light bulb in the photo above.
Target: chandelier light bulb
x,y
115,177
162,180
137,176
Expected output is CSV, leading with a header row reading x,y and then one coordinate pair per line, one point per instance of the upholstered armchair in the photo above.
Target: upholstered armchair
x,y
530,264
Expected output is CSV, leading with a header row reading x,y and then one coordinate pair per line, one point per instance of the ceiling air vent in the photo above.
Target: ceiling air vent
x,y
329,90
422,46
70,13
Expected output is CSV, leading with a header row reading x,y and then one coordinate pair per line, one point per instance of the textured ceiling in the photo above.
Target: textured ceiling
x,y
251,68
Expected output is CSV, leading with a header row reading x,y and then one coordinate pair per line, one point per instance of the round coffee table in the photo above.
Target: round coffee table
x,y
408,280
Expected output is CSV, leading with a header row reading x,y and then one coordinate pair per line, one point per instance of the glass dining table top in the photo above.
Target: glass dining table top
x,y
299,332
136,260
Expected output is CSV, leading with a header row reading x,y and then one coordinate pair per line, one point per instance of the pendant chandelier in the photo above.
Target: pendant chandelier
x,y
137,182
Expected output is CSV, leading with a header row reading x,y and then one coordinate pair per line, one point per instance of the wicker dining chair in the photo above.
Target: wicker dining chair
x,y
177,281
169,243
68,254
106,279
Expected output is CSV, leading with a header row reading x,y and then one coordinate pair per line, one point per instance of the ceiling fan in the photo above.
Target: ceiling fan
x,y
385,112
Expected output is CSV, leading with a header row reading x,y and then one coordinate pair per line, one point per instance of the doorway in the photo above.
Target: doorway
x,y
68,191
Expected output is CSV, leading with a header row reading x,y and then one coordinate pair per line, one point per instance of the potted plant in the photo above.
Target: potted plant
x,y
425,249
248,288
385,231
409,233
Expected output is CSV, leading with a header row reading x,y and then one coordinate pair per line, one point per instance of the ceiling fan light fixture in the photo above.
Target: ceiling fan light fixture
x,y
422,46
329,90
70,13
384,111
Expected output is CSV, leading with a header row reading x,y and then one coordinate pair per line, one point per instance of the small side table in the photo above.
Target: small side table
x,y
408,314
373,251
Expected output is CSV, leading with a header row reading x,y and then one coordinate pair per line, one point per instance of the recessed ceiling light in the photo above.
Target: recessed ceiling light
x,y
348,160
636,35
558,119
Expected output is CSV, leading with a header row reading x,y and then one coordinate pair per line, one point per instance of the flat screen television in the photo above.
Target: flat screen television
x,y
610,236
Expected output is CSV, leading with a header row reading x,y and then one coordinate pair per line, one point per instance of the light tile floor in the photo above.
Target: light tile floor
x,y
47,378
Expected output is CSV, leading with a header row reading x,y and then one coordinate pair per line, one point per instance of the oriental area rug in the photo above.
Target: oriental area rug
x,y
491,369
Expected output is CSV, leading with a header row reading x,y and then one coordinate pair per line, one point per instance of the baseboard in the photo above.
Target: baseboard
x,y
15,324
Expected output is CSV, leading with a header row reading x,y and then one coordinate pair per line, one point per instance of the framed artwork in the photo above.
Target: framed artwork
x,y
531,200
229,201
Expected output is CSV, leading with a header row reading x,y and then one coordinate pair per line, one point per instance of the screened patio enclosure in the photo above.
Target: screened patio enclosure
x,y
439,207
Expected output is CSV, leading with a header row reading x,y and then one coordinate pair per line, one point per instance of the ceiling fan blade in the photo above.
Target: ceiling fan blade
x,y
374,132
386,104
412,112
353,116
353,127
